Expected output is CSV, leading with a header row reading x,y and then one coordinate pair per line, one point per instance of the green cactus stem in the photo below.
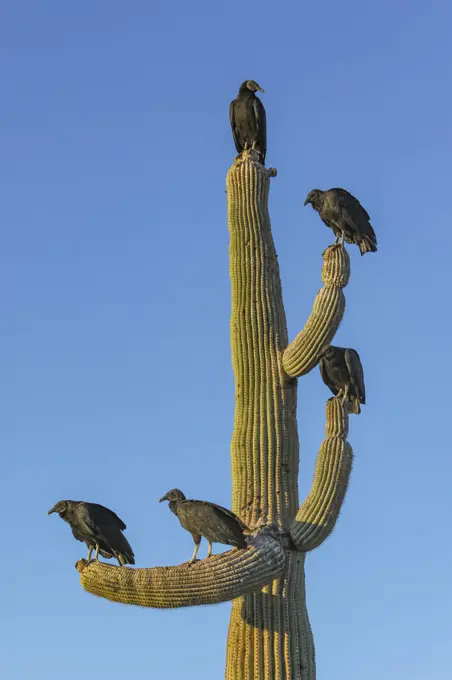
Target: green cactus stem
x,y
269,634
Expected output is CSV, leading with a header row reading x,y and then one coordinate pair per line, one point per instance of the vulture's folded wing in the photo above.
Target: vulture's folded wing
x,y
356,373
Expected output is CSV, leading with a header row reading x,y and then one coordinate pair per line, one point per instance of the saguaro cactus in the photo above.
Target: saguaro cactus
x,y
269,634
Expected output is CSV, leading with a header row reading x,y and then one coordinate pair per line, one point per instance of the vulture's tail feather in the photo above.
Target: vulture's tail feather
x,y
353,406
241,542
125,558
367,245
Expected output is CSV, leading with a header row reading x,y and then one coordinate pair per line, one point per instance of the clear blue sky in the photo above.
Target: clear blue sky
x,y
116,376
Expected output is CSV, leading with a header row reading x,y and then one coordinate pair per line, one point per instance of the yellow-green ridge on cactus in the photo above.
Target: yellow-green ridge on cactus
x,y
269,636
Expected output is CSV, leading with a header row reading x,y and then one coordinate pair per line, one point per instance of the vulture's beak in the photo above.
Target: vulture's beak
x,y
163,498
260,89
52,510
307,201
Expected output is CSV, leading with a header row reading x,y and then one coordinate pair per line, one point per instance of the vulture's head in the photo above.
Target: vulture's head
x,y
61,508
315,198
173,495
250,85
326,352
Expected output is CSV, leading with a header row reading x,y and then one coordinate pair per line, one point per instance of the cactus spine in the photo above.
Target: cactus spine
x,y
269,634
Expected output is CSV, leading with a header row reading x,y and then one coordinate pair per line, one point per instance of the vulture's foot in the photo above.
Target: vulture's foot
x,y
327,248
332,247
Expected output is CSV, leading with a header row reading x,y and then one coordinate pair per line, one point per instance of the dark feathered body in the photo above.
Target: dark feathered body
x,y
213,522
342,372
345,215
248,120
79,537
97,526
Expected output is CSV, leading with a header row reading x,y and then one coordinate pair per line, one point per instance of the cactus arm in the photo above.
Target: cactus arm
x,y
329,306
216,579
317,516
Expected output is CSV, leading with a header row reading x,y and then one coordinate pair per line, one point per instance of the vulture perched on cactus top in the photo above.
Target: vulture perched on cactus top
x,y
345,215
248,120
342,372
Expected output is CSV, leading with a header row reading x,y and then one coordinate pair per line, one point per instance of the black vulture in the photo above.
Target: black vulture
x,y
98,527
200,518
345,215
248,120
342,372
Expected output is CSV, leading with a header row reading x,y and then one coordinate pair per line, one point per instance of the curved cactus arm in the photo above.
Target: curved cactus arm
x,y
216,579
317,516
301,355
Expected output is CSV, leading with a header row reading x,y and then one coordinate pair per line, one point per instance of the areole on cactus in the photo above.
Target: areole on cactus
x,y
269,634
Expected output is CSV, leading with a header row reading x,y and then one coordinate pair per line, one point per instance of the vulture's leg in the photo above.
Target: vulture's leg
x,y
197,540
90,552
345,397
343,240
195,552
96,556
336,243
209,549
